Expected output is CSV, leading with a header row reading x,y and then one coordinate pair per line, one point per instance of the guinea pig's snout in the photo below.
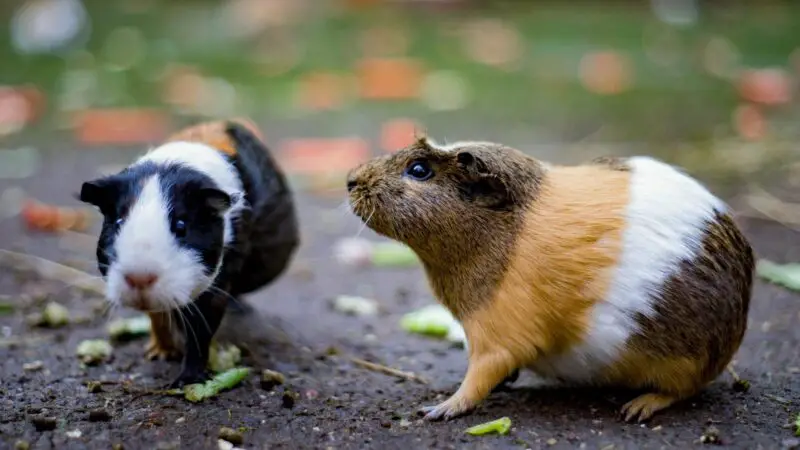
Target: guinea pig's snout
x,y
352,179
352,183
140,281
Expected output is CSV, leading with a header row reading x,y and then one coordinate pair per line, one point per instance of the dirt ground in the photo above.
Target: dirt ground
x,y
344,406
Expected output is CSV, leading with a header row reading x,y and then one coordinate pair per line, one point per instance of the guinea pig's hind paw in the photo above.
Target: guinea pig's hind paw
x,y
644,406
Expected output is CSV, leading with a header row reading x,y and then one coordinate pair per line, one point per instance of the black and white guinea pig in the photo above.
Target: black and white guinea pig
x,y
189,227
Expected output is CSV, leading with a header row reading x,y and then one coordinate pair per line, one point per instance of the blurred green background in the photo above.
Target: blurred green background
x,y
708,85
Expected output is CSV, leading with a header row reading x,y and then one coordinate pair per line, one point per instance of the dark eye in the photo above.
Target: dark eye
x,y
419,170
119,222
179,228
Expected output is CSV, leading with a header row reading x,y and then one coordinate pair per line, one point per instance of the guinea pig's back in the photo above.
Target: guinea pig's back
x,y
271,234
687,257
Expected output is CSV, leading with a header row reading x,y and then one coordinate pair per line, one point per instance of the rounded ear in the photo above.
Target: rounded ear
x,y
101,192
465,158
215,199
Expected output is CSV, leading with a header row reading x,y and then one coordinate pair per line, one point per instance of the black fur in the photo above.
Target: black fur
x,y
193,197
266,234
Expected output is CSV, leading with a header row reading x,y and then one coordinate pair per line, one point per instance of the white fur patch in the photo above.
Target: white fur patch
x,y
666,218
459,144
145,245
209,161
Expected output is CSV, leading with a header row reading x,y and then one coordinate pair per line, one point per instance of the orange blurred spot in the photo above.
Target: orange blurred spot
x,y
606,72
749,122
120,126
322,156
389,79
492,42
39,216
766,86
321,91
15,110
398,133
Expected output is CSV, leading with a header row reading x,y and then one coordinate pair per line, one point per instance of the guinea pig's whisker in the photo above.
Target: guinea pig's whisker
x,y
202,316
188,327
366,222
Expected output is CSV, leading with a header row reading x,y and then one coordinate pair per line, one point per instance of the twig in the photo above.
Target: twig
x,y
53,271
386,370
736,377
787,214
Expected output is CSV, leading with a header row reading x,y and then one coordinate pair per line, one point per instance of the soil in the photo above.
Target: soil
x,y
340,405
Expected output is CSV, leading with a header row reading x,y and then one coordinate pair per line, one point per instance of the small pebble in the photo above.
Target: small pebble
x,y
311,394
552,441
22,445
42,423
288,399
117,447
74,434
99,415
270,379
222,444
711,436
386,424
33,366
405,423
180,420
231,435
94,387
741,385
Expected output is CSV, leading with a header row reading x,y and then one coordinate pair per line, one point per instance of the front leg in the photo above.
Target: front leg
x,y
200,322
485,372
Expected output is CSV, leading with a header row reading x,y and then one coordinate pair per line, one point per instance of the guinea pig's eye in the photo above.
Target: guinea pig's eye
x,y
119,222
419,170
179,228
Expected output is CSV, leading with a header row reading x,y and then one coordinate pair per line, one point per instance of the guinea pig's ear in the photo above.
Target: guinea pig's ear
x,y
100,192
215,199
468,161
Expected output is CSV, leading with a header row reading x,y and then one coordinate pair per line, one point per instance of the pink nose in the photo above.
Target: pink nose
x,y
140,281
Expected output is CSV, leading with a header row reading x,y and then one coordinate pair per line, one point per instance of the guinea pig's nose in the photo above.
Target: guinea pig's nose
x,y
351,184
140,281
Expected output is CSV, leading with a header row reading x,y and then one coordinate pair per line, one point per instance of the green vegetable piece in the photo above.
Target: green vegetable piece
x,y
122,329
499,426
432,320
797,426
93,351
222,358
393,254
786,275
222,381
55,315
6,308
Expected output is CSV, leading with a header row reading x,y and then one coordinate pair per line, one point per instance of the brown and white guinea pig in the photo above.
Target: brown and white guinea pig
x,y
622,272
189,227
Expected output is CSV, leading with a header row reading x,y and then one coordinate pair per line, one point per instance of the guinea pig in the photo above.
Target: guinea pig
x,y
188,228
621,272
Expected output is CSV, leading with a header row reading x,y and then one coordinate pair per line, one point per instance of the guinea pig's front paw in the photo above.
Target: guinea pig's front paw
x,y
448,409
188,377
155,351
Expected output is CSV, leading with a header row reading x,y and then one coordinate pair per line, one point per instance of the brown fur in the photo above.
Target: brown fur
x,y
520,254
214,134
162,343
